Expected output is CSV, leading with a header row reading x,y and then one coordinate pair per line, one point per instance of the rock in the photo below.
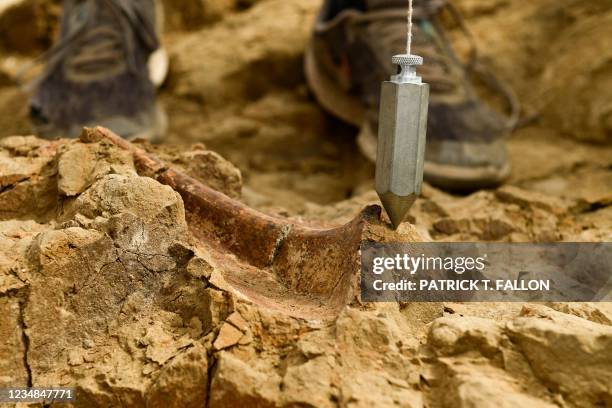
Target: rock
x,y
213,170
144,217
192,14
310,383
589,116
76,166
217,305
13,371
15,239
471,386
183,382
373,334
228,336
161,345
106,298
369,389
588,187
83,292
593,226
75,357
235,384
116,298
571,355
199,268
8,282
525,198
14,170
218,281
79,165
595,312
143,197
311,348
27,179
510,214
451,226
477,215
246,339
238,322
26,25
68,259
19,146
236,49
455,335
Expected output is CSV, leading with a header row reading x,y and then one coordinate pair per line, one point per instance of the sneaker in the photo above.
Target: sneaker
x,y
349,57
97,74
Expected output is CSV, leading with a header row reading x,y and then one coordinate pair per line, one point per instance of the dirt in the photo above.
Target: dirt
x,y
106,286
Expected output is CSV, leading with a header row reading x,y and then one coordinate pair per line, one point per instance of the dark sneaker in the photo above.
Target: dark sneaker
x,y
97,73
350,56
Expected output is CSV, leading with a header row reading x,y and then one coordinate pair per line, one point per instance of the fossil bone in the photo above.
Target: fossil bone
x,y
306,271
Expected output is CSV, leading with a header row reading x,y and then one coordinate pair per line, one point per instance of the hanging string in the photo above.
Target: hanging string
x,y
409,44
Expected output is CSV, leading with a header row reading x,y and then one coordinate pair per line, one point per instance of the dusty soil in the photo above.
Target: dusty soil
x,y
104,286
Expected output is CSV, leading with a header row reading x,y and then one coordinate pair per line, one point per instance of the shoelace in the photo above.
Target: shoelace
x,y
389,26
91,48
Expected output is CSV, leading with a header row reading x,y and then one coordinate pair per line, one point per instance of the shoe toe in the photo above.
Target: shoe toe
x,y
466,134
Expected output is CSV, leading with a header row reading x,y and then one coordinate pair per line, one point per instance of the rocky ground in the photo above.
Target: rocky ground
x,y
104,285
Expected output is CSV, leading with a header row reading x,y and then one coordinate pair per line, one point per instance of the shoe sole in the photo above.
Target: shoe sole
x,y
155,132
336,101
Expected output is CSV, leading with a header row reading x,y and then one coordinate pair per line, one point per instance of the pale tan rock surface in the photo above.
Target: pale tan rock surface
x,y
105,294
99,288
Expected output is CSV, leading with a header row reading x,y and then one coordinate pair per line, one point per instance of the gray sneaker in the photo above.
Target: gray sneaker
x,y
350,56
97,73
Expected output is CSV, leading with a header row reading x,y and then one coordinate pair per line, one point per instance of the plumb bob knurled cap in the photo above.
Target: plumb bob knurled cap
x,y
407,60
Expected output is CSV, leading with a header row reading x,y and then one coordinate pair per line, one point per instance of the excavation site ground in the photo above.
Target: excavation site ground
x,y
121,276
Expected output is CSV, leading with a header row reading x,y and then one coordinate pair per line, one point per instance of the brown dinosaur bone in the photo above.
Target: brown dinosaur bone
x,y
305,271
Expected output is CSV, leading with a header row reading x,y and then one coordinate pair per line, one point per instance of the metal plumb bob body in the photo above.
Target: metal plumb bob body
x,y
402,133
